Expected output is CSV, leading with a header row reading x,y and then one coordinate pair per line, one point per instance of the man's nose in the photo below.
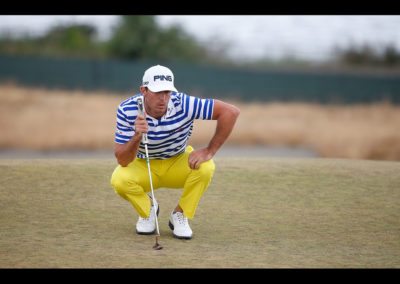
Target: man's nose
x,y
164,96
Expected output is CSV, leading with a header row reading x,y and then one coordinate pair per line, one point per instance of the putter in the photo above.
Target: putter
x,y
145,141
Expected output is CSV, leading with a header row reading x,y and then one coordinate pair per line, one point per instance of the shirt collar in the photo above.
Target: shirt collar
x,y
171,111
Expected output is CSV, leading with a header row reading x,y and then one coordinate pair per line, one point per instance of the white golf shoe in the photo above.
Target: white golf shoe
x,y
147,226
180,226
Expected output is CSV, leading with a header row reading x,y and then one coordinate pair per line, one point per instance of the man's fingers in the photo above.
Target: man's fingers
x,y
194,163
141,124
194,166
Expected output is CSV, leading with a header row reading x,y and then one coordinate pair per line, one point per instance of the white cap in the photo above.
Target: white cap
x,y
159,78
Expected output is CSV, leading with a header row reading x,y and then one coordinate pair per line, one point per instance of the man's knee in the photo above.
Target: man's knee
x,y
116,182
121,181
207,169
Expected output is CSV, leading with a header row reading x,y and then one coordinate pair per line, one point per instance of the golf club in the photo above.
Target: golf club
x,y
145,141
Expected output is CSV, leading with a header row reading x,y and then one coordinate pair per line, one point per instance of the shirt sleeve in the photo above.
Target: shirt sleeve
x,y
202,108
124,130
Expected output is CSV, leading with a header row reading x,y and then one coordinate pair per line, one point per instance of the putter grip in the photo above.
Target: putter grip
x,y
141,111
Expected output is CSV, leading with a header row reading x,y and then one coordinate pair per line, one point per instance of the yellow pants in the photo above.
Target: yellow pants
x,y
132,182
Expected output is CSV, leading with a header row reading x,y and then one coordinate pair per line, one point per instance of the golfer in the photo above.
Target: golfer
x,y
168,121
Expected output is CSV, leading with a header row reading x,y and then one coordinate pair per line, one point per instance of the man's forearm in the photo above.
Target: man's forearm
x,y
126,153
224,127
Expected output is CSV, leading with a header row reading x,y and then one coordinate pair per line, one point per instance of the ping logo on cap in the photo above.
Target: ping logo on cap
x,y
162,78
159,78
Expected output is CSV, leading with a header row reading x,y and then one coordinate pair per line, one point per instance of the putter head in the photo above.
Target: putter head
x,y
157,246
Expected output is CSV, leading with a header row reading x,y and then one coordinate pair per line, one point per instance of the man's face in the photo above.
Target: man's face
x,y
156,104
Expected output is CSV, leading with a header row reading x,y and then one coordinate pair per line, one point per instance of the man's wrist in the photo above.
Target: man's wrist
x,y
212,149
137,137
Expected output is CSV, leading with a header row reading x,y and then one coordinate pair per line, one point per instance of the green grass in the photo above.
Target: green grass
x,y
263,213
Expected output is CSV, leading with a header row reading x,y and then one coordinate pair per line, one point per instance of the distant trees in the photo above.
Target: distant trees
x,y
134,37
141,37
62,40
368,56
70,40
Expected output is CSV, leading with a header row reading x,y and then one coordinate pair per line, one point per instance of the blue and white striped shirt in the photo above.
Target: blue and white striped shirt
x,y
168,135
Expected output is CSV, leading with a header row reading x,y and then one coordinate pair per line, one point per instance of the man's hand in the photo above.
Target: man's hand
x,y
199,156
140,125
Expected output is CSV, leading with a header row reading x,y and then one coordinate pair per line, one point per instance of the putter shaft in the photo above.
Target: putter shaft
x,y
145,141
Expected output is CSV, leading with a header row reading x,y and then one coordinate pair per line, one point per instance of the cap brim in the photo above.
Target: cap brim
x,y
160,88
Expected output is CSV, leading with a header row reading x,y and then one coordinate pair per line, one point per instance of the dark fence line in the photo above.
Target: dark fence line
x,y
206,81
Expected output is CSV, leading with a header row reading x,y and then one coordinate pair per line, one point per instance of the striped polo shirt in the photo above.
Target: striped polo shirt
x,y
168,135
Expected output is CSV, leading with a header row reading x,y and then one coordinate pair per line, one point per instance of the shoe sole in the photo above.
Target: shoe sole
x,y
149,233
171,226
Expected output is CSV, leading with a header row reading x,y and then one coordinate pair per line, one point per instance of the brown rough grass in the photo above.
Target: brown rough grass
x,y
42,119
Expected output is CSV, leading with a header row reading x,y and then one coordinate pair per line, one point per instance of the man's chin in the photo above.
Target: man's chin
x,y
160,112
